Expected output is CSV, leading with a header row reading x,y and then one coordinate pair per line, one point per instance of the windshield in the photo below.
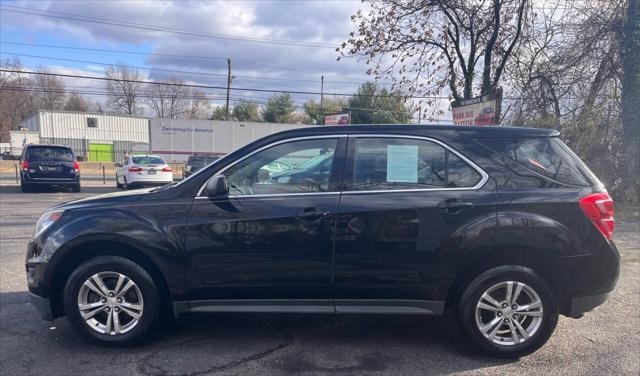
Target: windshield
x,y
147,160
48,153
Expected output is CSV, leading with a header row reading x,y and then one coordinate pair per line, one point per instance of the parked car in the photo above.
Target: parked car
x,y
49,166
197,162
141,171
504,227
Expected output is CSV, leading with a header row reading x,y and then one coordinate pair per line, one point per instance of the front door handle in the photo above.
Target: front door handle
x,y
454,206
312,214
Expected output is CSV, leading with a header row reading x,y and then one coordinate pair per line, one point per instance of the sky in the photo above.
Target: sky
x,y
272,44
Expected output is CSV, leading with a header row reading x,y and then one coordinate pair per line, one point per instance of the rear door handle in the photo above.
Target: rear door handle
x,y
454,206
312,214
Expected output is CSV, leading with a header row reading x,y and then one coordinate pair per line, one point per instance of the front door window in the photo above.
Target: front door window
x,y
293,167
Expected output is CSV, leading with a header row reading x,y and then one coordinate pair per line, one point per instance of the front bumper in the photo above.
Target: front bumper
x,y
43,305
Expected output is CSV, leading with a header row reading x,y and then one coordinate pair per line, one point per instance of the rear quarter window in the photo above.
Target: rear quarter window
x,y
548,156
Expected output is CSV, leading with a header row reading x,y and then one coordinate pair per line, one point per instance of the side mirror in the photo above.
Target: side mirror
x,y
217,187
118,165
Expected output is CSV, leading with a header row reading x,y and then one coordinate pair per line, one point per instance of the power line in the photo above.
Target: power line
x,y
10,53
300,92
196,57
81,18
192,57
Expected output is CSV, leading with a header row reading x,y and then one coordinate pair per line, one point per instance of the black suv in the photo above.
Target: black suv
x,y
505,227
49,165
197,162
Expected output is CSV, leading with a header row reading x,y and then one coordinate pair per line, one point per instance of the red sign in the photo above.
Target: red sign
x,y
483,110
337,119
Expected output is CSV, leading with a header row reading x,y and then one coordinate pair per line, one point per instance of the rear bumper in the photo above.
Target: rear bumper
x,y
583,304
587,281
43,305
142,183
51,181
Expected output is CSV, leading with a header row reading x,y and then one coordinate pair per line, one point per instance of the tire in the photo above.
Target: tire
x,y
125,185
108,269
538,322
24,188
76,188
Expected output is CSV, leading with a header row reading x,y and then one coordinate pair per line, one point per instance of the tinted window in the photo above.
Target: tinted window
x,y
547,156
396,163
147,160
50,153
283,169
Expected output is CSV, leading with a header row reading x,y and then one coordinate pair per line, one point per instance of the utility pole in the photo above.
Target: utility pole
x,y
322,100
420,115
226,110
630,117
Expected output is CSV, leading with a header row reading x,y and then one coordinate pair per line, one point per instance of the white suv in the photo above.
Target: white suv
x,y
142,170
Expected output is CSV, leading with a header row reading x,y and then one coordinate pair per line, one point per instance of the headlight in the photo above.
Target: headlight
x,y
46,220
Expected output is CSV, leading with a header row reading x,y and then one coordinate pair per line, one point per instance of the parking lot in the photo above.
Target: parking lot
x,y
606,341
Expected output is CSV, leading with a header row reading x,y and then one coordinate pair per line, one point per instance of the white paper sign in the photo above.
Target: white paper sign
x,y
402,163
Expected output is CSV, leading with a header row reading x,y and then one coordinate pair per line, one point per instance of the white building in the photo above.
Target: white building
x,y
176,139
93,136
108,137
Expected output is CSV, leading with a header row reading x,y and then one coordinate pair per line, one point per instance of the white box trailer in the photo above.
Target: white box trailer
x,y
176,139
20,139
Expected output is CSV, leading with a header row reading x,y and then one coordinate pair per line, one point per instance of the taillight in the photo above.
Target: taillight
x,y
166,169
25,165
76,166
598,207
135,169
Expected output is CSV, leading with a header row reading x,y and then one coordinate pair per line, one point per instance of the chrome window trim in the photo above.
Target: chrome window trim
x,y
480,184
276,143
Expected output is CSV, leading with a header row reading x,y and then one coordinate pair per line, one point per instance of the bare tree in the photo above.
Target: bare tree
x,y
49,91
568,76
76,102
630,105
124,89
168,100
199,105
425,46
16,97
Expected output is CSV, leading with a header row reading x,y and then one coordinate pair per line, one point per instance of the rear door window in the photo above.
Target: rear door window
x,y
50,153
401,163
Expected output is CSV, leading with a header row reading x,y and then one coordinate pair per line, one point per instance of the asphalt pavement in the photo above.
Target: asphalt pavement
x,y
606,341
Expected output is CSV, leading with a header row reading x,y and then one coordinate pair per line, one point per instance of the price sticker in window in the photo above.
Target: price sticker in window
x,y
402,163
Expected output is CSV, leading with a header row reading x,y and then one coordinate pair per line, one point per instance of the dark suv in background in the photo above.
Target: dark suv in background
x,y
49,166
504,227
197,162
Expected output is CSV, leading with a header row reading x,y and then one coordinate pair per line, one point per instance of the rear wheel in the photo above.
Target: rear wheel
x,y
76,188
112,300
508,311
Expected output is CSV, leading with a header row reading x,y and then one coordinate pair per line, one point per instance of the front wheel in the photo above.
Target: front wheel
x,y
111,300
508,311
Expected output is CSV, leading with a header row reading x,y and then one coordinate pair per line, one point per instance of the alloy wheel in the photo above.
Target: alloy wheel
x,y
110,303
509,313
